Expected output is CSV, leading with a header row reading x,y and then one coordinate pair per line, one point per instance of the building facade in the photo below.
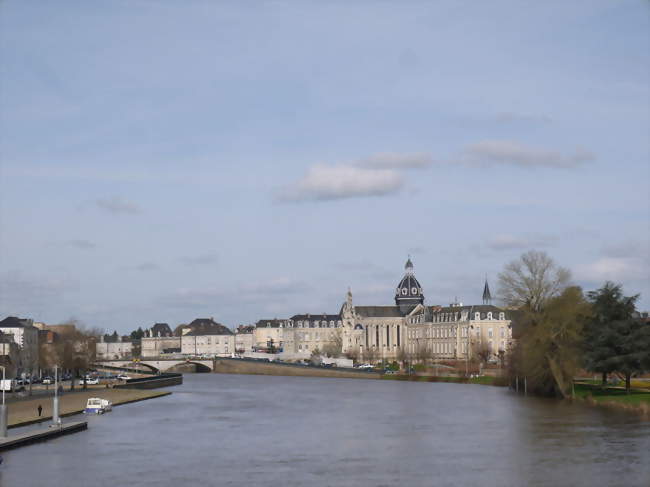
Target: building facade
x,y
25,336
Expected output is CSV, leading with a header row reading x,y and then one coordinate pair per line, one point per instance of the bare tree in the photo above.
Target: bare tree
x,y
334,347
481,351
531,280
370,355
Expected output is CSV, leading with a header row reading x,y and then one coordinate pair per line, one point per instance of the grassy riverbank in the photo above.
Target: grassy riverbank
x,y
25,412
485,380
638,400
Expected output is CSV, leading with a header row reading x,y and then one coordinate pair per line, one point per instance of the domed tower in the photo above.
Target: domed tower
x,y
409,292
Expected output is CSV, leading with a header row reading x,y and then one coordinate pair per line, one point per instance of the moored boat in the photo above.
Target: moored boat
x,y
97,405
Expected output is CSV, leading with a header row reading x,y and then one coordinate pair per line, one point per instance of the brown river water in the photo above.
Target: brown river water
x,y
238,430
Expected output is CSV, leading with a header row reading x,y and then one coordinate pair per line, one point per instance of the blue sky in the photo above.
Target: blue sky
x,y
162,161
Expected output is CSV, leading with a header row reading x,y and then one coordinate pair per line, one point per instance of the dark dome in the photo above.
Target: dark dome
x,y
408,287
409,292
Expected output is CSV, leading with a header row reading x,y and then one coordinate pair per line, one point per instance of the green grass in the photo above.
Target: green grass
x,y
611,395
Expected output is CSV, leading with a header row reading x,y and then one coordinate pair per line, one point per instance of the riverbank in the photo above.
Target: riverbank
x,y
638,401
24,412
269,368
486,380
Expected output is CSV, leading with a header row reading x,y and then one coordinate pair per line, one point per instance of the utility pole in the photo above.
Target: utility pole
x,y
3,409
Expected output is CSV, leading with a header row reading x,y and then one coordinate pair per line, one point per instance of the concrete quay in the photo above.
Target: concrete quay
x,y
41,434
24,412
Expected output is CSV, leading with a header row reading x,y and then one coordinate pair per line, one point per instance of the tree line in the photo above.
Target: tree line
x,y
561,329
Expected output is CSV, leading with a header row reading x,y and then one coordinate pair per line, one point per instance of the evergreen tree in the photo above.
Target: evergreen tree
x,y
616,341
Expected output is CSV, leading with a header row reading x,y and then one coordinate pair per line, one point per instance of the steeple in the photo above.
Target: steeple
x,y
408,267
487,297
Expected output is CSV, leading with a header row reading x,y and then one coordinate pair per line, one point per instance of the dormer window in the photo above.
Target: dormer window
x,y
489,316
414,290
502,316
477,316
404,291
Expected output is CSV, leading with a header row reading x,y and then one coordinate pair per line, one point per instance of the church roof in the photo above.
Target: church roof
x,y
487,297
207,326
379,311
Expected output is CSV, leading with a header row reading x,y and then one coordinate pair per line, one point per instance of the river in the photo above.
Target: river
x,y
239,430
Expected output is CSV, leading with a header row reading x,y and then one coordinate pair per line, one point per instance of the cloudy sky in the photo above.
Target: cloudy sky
x,y
167,160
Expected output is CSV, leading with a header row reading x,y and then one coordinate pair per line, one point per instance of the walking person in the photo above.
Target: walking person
x,y
40,410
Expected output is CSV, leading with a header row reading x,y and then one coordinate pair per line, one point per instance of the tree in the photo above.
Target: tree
x,y
137,334
549,350
334,347
615,340
532,280
481,351
370,355
402,356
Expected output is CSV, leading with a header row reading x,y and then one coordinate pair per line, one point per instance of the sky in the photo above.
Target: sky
x,y
162,161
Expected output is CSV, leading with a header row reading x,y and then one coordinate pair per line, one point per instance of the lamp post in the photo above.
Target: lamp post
x,y
55,406
3,408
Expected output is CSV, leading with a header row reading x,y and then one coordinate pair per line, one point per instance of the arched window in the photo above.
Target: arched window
x,y
502,316
477,316
489,315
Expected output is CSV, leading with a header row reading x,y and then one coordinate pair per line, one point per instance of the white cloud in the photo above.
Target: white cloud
x,y
393,160
521,242
506,152
512,117
82,244
322,183
613,269
199,260
116,204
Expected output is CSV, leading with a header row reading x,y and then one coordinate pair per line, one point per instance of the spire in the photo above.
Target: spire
x,y
349,297
409,266
487,297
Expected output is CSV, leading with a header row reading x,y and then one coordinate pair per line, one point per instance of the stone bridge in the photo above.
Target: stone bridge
x,y
159,365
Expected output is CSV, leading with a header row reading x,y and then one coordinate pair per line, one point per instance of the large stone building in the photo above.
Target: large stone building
x,y
412,329
204,336
159,340
407,329
113,347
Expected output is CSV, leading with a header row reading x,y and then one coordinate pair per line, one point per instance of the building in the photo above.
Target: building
x,y
411,329
244,338
114,347
272,334
159,340
204,336
25,335
9,355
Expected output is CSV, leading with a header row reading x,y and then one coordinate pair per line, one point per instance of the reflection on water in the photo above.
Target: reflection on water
x,y
288,431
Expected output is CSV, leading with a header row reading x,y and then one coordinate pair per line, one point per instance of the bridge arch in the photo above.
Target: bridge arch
x,y
201,366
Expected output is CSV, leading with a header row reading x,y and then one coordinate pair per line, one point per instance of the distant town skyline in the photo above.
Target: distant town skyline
x,y
165,161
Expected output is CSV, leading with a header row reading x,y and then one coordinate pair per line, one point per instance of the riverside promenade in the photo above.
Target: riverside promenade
x,y
25,411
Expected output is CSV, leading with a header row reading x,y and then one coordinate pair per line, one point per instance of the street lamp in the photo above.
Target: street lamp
x,y
55,406
3,408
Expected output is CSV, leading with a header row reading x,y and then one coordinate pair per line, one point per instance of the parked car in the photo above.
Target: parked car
x,y
92,381
123,377
366,366
48,380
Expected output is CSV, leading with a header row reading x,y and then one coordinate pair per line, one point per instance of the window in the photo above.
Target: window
x,y
414,290
489,315
489,332
502,332
404,291
502,316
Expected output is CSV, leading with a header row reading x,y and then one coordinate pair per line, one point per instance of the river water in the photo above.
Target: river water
x,y
239,430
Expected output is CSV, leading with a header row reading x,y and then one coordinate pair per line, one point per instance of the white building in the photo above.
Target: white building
x,y
25,335
204,336
113,347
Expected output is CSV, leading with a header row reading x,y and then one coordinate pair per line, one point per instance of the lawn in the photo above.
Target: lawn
x,y
612,395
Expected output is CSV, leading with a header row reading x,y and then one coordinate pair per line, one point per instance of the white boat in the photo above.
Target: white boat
x,y
97,405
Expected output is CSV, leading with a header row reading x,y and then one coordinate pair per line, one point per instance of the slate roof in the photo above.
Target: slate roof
x,y
379,311
483,309
316,317
272,323
162,328
14,322
207,326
